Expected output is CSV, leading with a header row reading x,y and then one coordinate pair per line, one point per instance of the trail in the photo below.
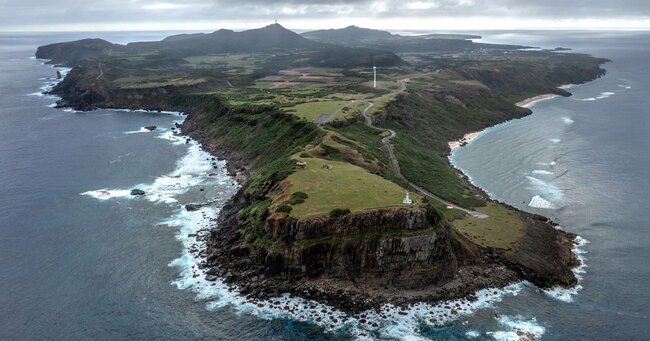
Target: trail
x,y
101,71
395,164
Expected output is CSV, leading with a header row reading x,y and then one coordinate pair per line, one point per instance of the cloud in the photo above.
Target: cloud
x,y
404,14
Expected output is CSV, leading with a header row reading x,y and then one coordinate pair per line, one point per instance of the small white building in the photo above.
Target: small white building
x,y
407,199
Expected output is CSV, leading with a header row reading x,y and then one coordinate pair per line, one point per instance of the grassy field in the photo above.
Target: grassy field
x,y
133,82
311,110
344,186
503,229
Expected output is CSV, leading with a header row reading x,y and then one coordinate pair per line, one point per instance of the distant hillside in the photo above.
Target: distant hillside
x,y
73,52
348,35
384,40
354,35
288,48
226,41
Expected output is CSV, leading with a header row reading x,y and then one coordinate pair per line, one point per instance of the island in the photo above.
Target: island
x,y
340,141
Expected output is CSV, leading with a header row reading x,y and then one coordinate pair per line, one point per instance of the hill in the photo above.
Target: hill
x,y
384,40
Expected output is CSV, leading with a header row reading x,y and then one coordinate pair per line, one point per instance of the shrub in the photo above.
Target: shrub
x,y
284,208
339,212
297,198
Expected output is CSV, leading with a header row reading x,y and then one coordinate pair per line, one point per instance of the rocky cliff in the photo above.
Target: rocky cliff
x,y
356,261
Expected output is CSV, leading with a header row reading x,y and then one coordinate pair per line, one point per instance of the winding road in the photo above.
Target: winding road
x,y
395,164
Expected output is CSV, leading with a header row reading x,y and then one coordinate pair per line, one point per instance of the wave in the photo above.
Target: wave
x,y
555,140
141,130
567,120
542,172
547,189
105,194
518,328
624,86
539,202
605,95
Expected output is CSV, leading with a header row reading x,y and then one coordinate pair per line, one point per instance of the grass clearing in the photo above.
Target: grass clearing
x,y
344,186
311,110
133,82
503,229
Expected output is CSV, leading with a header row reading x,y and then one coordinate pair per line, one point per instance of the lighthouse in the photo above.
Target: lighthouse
x,y
374,71
407,199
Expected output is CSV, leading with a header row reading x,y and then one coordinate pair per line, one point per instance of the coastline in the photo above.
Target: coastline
x,y
526,103
559,293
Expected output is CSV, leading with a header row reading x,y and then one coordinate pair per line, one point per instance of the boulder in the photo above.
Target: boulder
x,y
150,128
137,191
193,207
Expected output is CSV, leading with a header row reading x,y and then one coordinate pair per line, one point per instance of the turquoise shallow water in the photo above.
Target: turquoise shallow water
x,y
87,266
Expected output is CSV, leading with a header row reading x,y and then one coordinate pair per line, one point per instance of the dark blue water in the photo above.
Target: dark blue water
x,y
109,266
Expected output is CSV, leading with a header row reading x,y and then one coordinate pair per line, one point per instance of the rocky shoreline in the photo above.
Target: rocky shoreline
x,y
549,265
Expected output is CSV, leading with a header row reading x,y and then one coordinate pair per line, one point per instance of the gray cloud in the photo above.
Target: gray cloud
x,y
15,14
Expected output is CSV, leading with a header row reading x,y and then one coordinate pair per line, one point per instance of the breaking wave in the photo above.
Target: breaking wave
x,y
518,328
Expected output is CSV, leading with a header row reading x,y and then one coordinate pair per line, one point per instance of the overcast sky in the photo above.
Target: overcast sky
x,y
86,15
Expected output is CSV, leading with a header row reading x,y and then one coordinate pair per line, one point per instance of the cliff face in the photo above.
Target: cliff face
x,y
365,246
82,91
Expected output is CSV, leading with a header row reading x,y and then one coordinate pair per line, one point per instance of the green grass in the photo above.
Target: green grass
x,y
503,229
345,186
145,82
311,110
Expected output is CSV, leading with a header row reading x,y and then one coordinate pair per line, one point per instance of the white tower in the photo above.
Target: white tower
x,y
407,199
374,71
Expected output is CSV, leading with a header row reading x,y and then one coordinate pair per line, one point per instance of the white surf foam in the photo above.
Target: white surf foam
x,y
472,334
141,130
539,202
517,329
105,194
567,120
605,95
546,189
541,172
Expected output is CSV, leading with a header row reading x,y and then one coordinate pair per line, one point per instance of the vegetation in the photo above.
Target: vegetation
x,y
339,212
503,229
342,185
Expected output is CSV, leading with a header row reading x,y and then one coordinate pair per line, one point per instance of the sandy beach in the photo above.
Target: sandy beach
x,y
466,139
527,103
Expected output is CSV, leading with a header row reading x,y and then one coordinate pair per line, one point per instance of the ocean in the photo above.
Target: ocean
x,y
83,259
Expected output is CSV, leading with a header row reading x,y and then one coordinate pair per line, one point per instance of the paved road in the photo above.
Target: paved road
x,y
395,164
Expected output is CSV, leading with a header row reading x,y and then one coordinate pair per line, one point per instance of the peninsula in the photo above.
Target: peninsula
x,y
347,196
